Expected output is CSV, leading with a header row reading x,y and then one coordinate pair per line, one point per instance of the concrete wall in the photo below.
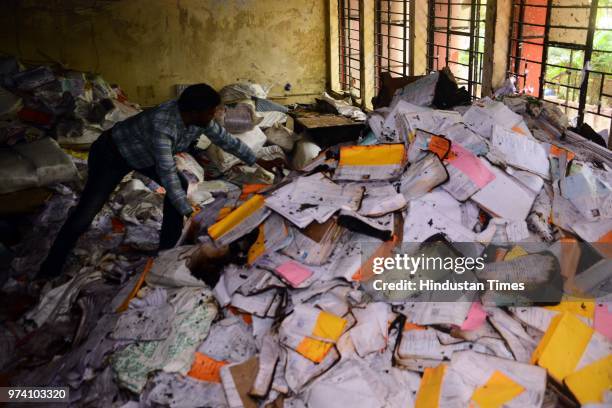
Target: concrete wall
x,y
499,15
421,19
148,46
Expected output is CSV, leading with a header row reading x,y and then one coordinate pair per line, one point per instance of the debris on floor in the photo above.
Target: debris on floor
x,y
271,299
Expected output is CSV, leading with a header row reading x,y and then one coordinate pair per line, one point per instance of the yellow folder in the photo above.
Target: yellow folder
x,y
428,395
589,383
378,155
578,306
562,346
498,390
235,217
329,326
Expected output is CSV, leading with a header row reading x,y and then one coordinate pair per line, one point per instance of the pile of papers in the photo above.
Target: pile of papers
x,y
72,107
268,299
43,108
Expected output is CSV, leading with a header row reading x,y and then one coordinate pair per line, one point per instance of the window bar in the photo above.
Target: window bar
x,y
388,36
587,58
378,44
341,41
431,47
473,46
451,28
575,89
601,84
545,49
471,50
392,44
519,49
448,29
349,56
405,20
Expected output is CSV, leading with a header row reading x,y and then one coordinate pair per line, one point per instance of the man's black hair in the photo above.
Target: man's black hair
x,y
198,98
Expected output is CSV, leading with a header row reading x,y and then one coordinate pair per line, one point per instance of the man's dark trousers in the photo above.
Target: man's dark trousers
x,y
106,169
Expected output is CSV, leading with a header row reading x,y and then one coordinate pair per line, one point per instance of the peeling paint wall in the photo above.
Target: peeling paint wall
x,y
149,46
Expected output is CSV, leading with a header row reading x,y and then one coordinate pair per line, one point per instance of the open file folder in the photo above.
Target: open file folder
x,y
311,332
240,222
477,380
273,235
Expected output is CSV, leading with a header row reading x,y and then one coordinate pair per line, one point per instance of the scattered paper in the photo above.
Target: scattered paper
x,y
519,151
467,173
603,319
475,318
504,198
293,273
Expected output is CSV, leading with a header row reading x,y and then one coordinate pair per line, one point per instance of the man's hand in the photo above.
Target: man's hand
x,y
191,227
271,164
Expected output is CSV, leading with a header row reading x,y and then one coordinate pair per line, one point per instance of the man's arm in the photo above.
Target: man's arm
x,y
231,144
166,170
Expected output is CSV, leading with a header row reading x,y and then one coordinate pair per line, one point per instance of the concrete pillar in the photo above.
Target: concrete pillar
x,y
367,52
333,80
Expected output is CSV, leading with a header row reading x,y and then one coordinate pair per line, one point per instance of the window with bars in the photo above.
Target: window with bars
x,y
456,39
350,46
561,51
392,38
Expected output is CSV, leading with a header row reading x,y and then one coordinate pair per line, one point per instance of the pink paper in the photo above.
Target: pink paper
x,y
294,273
475,318
468,163
602,322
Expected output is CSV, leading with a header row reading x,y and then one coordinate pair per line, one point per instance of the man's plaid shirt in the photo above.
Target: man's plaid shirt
x,y
152,137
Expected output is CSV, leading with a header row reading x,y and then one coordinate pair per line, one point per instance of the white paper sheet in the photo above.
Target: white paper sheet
x,y
504,197
519,151
312,198
482,116
380,198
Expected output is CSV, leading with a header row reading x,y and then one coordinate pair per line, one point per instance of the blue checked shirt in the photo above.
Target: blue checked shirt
x,y
152,137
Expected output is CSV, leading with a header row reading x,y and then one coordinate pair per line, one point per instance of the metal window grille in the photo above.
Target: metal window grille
x,y
456,39
392,38
561,51
350,46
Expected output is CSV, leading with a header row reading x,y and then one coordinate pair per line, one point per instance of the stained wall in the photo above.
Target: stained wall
x,y
149,46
